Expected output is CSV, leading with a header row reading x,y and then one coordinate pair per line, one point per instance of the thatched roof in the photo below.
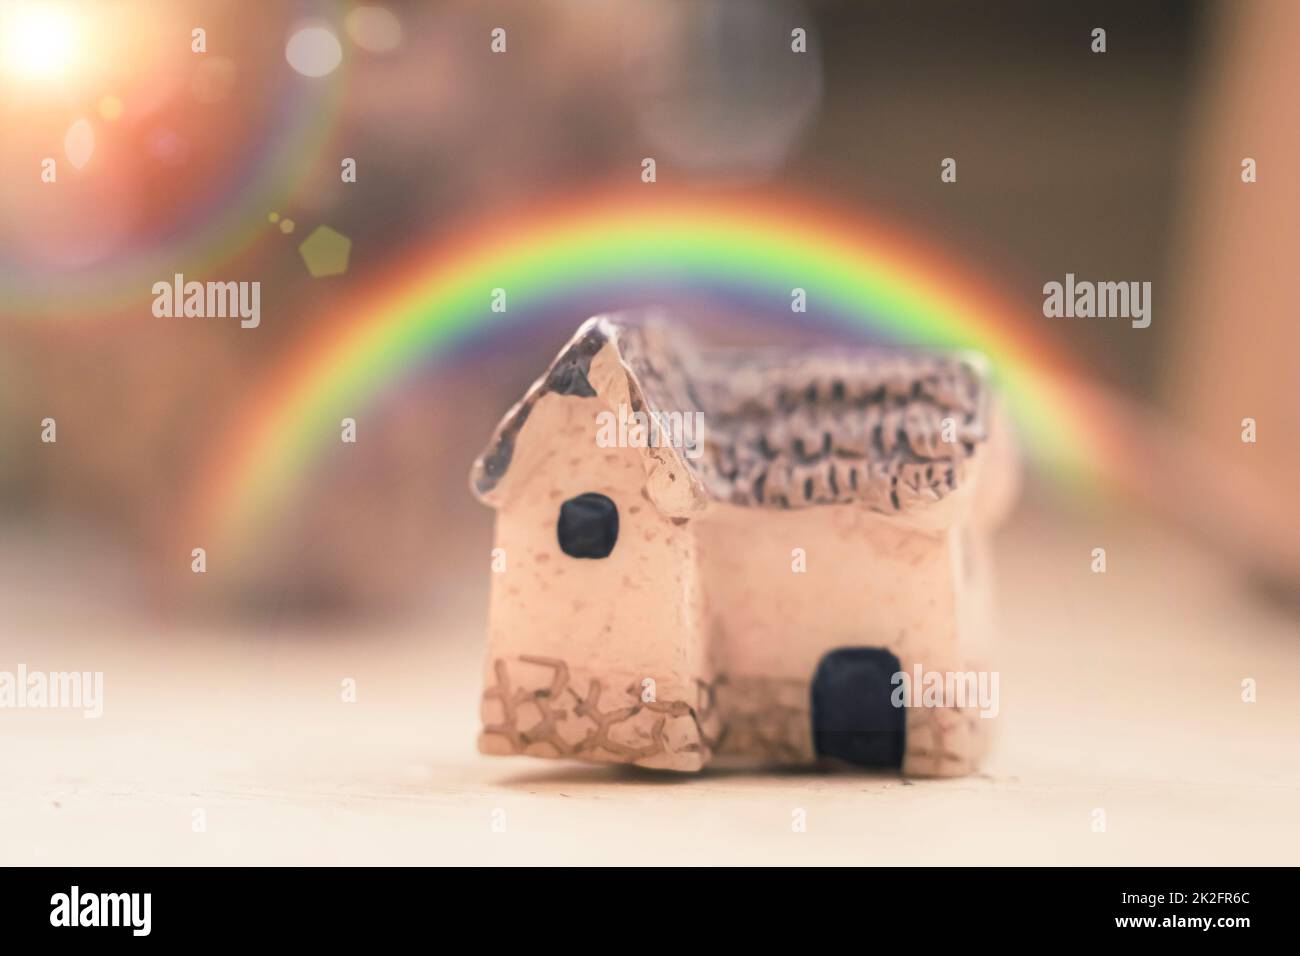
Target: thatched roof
x,y
783,429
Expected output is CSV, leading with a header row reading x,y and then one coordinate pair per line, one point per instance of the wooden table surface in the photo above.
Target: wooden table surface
x,y
1120,692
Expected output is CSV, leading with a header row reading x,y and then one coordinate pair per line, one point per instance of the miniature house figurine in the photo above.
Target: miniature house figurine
x,y
742,556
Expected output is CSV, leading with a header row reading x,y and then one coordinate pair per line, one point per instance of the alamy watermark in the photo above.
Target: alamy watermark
x,y
1102,300
129,910
209,300
53,690
977,690
656,429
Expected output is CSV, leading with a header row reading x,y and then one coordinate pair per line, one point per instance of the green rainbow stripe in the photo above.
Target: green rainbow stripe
x,y
766,247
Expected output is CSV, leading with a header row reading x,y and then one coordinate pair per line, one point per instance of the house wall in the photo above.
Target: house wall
x,y
870,580
633,614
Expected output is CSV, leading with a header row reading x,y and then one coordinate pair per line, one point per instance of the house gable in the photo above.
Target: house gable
x,y
600,362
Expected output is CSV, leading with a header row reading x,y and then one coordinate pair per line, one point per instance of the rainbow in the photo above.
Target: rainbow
x,y
862,273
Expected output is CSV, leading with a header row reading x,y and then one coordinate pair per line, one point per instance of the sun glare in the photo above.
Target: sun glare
x,y
37,40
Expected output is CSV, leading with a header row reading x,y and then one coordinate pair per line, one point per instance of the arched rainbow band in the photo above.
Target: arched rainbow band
x,y
857,271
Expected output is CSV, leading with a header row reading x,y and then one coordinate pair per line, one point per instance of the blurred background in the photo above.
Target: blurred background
x,y
219,163
1122,165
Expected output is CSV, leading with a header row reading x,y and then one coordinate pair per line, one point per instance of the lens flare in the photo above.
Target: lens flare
x,y
37,40
313,50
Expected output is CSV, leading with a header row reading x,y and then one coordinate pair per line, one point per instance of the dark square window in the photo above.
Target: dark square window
x,y
588,526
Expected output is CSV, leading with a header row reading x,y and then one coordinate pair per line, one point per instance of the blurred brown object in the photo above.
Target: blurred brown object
x,y
1238,347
